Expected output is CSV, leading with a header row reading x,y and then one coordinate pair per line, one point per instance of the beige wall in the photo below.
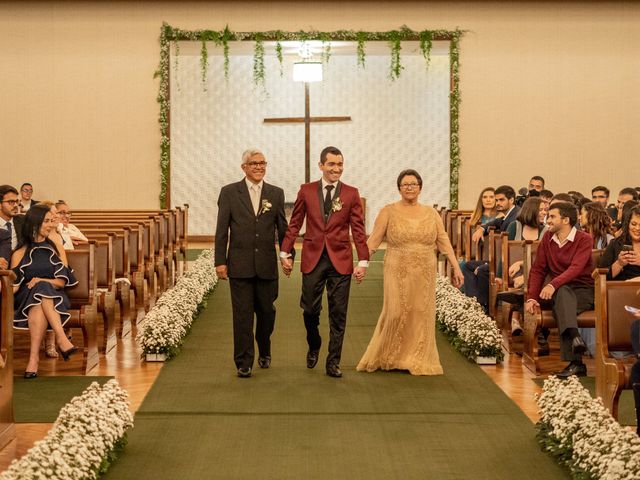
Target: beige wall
x,y
547,88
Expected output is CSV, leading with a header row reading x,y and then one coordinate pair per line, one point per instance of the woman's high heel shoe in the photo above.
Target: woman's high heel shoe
x,y
50,347
67,354
30,375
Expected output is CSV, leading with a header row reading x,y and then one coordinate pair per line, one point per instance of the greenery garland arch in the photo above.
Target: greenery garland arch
x,y
170,35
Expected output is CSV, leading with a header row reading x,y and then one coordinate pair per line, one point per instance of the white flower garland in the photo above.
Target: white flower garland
x,y
463,320
169,320
580,431
82,440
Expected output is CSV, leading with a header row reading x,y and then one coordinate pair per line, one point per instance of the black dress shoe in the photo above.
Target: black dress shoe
x,y
577,369
67,354
30,374
244,372
264,362
334,371
312,358
543,349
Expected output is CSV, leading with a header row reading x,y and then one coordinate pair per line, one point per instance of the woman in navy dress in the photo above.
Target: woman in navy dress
x,y
42,274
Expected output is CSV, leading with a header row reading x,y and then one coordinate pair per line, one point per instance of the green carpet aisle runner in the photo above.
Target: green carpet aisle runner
x,y
200,421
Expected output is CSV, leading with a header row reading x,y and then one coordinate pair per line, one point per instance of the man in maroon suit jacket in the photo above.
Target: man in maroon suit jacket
x,y
331,209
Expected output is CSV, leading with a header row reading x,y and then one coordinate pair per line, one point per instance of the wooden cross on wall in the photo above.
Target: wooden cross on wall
x,y
307,119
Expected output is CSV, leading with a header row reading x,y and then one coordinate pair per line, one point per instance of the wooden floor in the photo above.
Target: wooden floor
x,y
137,377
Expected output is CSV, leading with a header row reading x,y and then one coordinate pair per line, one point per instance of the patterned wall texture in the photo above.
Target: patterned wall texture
x,y
395,125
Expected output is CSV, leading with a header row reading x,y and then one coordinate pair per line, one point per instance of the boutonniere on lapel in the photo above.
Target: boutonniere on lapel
x,y
266,206
336,205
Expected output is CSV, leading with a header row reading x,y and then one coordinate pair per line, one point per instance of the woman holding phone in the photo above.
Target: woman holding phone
x,y
622,256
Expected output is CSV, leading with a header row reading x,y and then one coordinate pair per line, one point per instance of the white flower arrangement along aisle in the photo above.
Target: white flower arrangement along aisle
x,y
463,321
582,434
170,319
84,440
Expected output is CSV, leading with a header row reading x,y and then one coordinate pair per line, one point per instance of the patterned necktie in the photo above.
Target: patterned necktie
x,y
10,230
327,200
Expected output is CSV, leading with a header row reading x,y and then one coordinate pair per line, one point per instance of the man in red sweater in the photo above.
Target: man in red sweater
x,y
564,255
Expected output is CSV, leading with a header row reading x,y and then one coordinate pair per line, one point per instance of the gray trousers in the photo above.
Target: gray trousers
x,y
567,303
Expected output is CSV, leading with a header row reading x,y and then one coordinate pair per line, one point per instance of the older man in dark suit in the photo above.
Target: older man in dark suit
x,y
250,214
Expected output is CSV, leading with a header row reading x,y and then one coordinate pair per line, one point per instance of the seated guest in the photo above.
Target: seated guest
x,y
622,256
26,191
485,207
596,222
564,254
576,196
536,183
68,230
561,197
10,218
625,195
600,195
546,195
528,226
42,274
476,273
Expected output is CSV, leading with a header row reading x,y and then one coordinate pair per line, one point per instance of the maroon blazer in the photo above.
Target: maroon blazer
x,y
334,233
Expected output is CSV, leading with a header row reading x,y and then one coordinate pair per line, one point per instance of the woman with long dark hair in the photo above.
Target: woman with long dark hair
x,y
595,220
42,274
622,256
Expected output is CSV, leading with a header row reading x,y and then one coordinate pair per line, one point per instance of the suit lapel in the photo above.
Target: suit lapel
x,y
321,201
243,193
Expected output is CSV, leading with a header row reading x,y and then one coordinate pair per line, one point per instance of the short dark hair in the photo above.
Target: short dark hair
x,y
629,191
25,184
601,188
566,210
4,189
507,191
409,172
539,178
546,193
327,151
562,197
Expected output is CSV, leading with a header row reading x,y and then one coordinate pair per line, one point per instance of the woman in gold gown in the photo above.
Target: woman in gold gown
x,y
404,338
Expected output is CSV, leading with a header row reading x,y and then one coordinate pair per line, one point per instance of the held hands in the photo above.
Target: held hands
x,y
518,281
287,266
3,264
359,273
531,306
515,268
33,281
221,272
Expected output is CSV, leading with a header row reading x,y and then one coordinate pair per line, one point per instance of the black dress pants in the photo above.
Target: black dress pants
x,y
249,297
568,302
338,286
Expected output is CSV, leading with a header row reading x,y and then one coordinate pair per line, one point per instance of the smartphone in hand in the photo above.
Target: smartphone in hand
x,y
627,248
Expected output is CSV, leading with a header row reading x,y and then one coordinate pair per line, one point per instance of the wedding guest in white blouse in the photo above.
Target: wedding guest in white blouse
x,y
70,233
26,202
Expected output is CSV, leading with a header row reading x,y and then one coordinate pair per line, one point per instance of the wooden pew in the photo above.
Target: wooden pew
x,y
7,427
613,325
512,251
494,240
544,318
84,310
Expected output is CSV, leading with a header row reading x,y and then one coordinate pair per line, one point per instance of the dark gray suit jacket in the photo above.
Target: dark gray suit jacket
x,y
245,242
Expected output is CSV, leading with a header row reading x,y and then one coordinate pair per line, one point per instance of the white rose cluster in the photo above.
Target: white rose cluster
x,y
166,324
88,430
579,429
463,320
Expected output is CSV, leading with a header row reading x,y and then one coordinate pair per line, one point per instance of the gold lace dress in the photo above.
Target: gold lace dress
x,y
404,337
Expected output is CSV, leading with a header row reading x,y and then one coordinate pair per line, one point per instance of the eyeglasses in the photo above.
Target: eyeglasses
x,y
66,214
11,202
409,185
26,190
598,196
256,164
